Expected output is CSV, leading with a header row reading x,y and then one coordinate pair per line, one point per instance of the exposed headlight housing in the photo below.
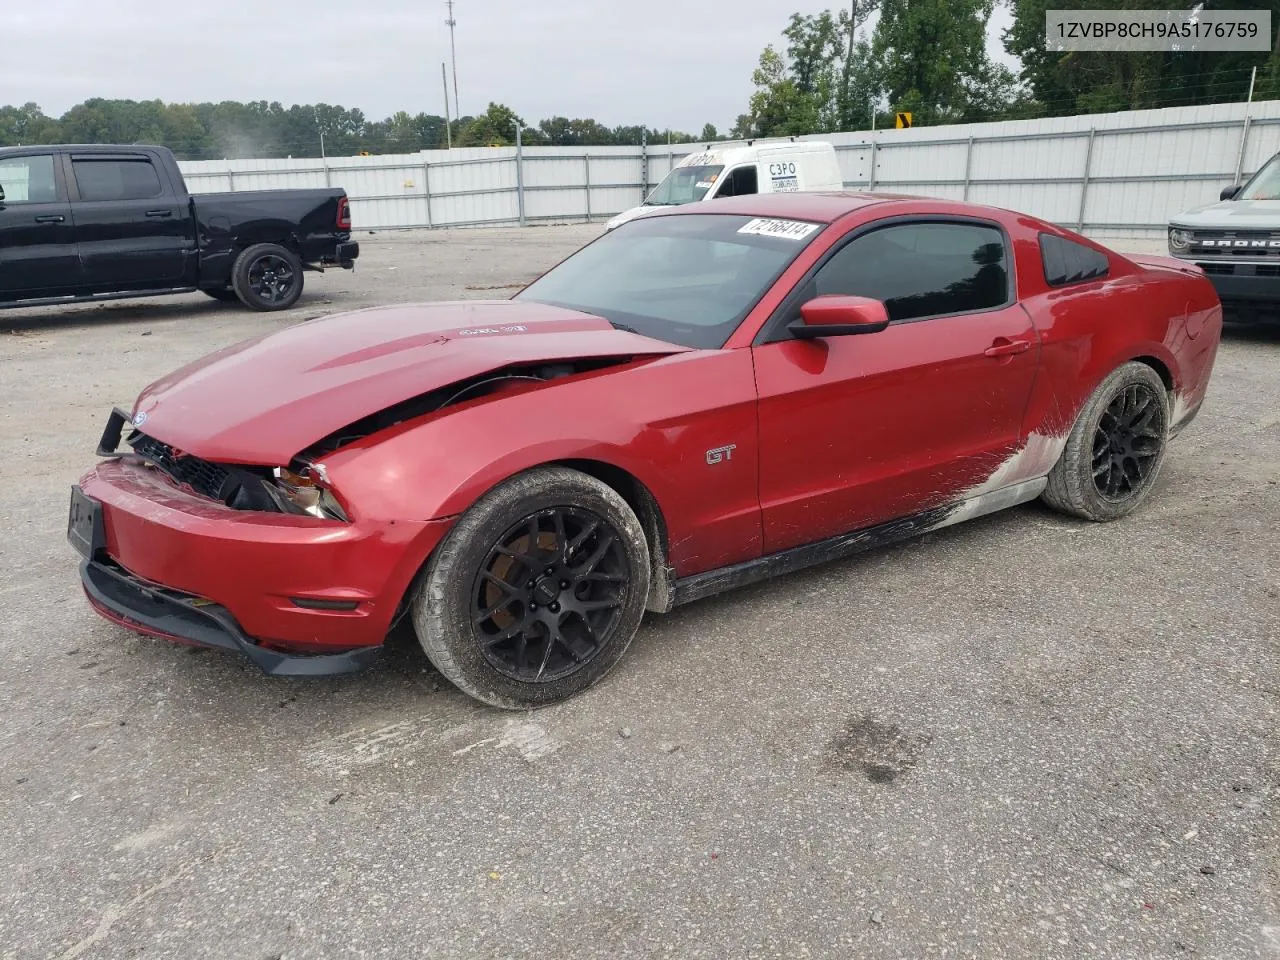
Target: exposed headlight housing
x,y
307,491
1179,239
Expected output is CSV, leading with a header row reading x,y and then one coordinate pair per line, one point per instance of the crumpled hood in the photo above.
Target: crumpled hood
x,y
265,400
1231,215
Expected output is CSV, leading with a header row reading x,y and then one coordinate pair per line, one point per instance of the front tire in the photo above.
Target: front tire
x,y
537,591
1116,448
267,276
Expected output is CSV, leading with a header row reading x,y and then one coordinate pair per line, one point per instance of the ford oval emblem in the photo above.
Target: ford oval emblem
x,y
139,419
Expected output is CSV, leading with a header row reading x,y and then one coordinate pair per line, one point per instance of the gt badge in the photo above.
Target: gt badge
x,y
720,454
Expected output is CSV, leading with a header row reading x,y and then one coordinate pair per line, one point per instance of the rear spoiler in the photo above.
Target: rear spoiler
x,y
1152,262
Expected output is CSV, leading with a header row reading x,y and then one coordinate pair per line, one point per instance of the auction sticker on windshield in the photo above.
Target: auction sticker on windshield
x,y
782,229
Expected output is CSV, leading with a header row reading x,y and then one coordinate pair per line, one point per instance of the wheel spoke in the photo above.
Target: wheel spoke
x,y
597,554
603,578
492,611
507,552
581,538
562,538
552,636
495,639
501,584
590,606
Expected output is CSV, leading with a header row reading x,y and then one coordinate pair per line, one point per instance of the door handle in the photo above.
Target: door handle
x,y
1004,347
159,213
51,218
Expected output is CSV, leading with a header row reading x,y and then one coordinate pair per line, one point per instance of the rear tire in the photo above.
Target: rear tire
x,y
267,276
537,591
1116,448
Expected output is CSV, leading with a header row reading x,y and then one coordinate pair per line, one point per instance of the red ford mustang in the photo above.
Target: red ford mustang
x,y
697,400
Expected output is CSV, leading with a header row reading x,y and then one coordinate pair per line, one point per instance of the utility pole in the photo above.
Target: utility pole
x,y
448,128
453,54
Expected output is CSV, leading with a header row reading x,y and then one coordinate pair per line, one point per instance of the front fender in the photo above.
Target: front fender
x,y
656,421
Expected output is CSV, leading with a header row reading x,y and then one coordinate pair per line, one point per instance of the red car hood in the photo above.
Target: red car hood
x,y
264,401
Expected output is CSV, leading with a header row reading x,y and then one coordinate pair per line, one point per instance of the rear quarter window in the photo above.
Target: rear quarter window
x,y
1066,262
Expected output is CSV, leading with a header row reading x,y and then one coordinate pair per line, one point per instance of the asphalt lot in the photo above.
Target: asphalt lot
x,y
1020,737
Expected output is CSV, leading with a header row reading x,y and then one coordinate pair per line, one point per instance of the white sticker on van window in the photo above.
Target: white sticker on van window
x,y
783,229
704,184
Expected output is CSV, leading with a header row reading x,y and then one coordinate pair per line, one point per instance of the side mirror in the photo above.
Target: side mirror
x,y
1230,193
838,316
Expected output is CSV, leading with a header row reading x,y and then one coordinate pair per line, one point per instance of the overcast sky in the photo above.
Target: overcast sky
x,y
662,63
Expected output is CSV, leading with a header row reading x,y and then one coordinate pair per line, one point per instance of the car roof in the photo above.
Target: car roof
x,y
830,206
816,207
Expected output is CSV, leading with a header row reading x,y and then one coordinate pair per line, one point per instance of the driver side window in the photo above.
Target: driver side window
x,y
740,182
921,270
28,180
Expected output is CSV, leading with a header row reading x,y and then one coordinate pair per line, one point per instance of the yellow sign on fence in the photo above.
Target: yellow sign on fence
x,y
903,121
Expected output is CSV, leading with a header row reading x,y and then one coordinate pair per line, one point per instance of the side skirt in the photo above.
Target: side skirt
x,y
700,585
94,297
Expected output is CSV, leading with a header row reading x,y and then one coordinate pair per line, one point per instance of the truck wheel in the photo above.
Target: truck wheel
x,y
267,276
223,294
537,590
1116,448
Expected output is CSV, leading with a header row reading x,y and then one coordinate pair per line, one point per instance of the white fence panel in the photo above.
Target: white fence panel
x,y
1133,170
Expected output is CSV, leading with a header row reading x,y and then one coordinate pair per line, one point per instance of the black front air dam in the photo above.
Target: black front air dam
x,y
170,613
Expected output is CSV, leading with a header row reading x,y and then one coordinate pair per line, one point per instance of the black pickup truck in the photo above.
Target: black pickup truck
x,y
88,223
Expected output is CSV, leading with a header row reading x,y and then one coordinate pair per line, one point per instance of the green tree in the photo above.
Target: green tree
x,y
497,125
779,107
931,59
1069,82
825,80
269,129
25,124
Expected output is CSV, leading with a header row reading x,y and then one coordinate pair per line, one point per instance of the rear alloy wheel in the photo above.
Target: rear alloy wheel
x,y
267,276
537,591
1115,449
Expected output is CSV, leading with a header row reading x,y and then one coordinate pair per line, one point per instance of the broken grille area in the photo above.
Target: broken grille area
x,y
205,478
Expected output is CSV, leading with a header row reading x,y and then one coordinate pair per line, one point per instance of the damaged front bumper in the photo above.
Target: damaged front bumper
x,y
297,595
173,615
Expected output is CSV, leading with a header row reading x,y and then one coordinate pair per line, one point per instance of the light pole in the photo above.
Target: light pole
x,y
453,55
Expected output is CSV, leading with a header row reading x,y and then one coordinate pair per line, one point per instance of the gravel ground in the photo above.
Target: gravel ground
x,y
1020,737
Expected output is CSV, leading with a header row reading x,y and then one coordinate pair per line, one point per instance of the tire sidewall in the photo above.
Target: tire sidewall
x,y
442,609
1081,478
244,263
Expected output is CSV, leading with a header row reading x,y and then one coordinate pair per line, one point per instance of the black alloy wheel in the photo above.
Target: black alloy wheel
x,y
1127,442
1114,451
549,594
272,278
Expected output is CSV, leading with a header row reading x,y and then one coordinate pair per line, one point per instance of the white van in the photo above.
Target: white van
x,y
741,167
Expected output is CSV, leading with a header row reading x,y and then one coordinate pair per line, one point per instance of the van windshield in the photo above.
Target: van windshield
x,y
1265,184
684,185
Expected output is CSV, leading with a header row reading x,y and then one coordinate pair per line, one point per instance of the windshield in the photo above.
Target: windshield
x,y
688,279
1265,184
684,185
